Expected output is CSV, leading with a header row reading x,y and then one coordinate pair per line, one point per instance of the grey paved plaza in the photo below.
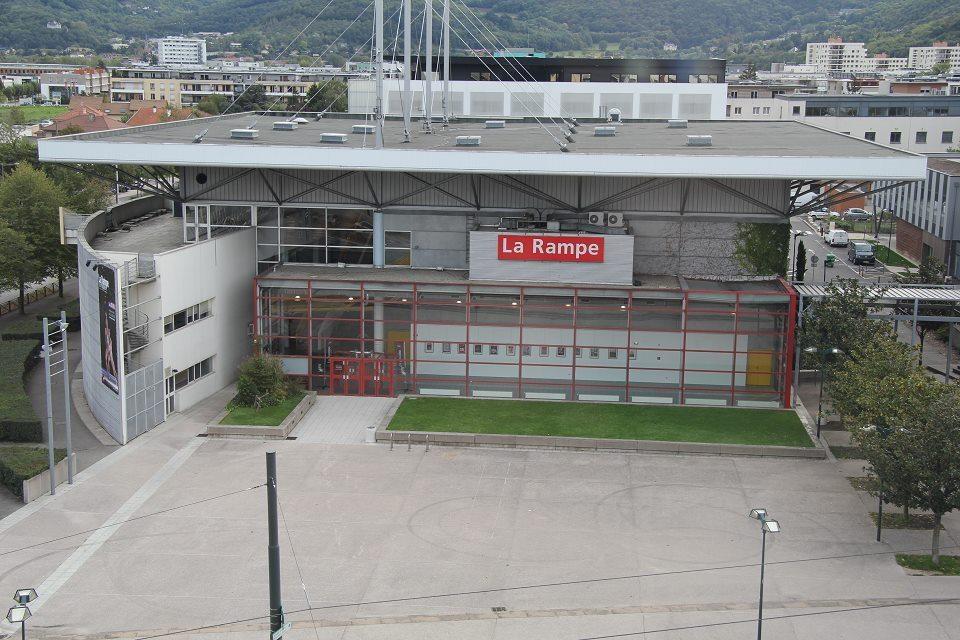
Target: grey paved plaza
x,y
570,545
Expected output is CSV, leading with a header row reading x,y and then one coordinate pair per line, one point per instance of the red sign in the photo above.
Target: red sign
x,y
550,248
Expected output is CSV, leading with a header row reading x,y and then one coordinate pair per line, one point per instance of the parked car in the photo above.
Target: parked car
x,y
861,253
856,214
820,214
837,238
46,123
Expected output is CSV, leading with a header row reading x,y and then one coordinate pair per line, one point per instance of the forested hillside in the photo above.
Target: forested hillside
x,y
736,29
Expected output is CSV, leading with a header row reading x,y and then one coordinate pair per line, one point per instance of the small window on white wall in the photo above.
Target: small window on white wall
x,y
494,349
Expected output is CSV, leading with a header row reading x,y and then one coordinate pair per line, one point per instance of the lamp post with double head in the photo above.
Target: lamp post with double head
x,y
825,354
19,613
767,525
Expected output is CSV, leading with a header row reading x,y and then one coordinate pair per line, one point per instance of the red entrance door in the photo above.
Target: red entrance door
x,y
362,376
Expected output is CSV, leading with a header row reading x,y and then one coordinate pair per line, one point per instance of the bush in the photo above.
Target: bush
x,y
261,382
18,420
21,463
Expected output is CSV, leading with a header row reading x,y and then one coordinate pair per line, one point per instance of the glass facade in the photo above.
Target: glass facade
x,y
710,347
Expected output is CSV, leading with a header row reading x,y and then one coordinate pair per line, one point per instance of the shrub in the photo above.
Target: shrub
x,y
18,420
21,463
261,382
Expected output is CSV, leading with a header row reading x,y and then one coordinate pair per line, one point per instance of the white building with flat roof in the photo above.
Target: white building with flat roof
x,y
173,51
836,56
927,57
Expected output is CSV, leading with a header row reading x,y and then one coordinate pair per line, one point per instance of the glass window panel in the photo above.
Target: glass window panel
x,y
349,219
229,215
312,237
349,256
303,217
397,257
267,216
267,235
310,255
350,238
397,239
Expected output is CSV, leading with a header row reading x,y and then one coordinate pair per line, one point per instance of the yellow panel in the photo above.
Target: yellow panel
x,y
759,368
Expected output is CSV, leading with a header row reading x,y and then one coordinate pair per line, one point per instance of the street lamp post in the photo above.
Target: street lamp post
x,y
832,351
767,525
20,612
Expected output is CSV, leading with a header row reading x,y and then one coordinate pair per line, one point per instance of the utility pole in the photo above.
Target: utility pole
x,y
46,379
446,62
277,625
378,109
428,73
406,71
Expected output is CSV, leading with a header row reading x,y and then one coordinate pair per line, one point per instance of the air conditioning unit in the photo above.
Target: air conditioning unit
x,y
614,219
595,219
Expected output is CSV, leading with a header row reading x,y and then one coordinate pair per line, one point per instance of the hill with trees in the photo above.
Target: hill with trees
x,y
740,30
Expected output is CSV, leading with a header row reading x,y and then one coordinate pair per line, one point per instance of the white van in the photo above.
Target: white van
x,y
837,238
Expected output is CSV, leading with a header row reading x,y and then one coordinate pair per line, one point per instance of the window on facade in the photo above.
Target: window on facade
x,y
895,137
187,316
700,78
446,347
733,94
766,111
663,77
193,373
544,352
594,353
756,111
754,94
796,110
921,137
623,77
820,111
737,110
946,137
317,235
478,349
870,135
579,77
480,75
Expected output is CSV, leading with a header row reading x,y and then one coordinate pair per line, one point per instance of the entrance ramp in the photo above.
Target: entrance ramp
x,y
342,419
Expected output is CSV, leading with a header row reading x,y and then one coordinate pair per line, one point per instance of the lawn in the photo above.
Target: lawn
x,y
33,114
265,417
19,462
890,257
589,420
949,565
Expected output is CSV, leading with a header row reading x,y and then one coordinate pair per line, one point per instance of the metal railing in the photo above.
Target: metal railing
x,y
31,296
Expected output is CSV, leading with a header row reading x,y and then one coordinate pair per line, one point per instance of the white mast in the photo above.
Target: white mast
x,y
406,70
378,107
428,74
446,61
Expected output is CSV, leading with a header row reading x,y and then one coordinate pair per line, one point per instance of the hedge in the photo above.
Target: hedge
x,y
18,420
21,463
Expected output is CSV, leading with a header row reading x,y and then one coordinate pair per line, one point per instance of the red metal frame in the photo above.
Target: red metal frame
x,y
783,351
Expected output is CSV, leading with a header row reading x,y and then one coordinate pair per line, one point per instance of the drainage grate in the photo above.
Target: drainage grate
x,y
498,609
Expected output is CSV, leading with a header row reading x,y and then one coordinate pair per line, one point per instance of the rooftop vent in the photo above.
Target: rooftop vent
x,y
366,129
468,141
699,141
284,125
495,124
301,120
615,115
244,134
605,132
333,138
676,124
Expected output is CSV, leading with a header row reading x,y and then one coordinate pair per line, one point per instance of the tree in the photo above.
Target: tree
x,y
800,262
16,116
940,68
839,320
750,73
214,104
261,382
29,202
327,96
931,271
253,99
762,249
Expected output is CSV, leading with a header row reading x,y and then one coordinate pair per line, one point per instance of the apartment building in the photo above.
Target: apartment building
x,y
837,57
918,123
174,52
59,87
927,57
752,100
184,87
928,214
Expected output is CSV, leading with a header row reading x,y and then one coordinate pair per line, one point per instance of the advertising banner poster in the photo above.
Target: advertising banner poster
x,y
109,341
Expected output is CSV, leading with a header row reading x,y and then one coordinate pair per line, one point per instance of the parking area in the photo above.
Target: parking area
x,y
467,543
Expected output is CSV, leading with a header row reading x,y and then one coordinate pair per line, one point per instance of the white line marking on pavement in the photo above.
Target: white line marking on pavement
x,y
93,543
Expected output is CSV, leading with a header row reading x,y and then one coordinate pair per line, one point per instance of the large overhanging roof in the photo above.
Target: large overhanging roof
x,y
740,149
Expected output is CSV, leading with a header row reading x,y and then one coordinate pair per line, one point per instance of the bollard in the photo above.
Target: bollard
x,y
370,437
428,442
391,441
409,441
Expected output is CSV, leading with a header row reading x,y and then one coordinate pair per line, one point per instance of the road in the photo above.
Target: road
x,y
843,268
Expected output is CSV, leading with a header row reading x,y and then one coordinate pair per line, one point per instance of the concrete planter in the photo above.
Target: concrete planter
x,y
39,485
263,432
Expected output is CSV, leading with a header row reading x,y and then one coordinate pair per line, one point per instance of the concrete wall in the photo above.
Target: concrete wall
x,y
221,269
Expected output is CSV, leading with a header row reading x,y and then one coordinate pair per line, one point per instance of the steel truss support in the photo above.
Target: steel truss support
x,y
743,196
825,200
137,181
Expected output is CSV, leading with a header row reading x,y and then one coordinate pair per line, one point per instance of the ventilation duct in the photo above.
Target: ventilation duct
x,y
301,120
605,132
676,124
699,141
495,124
365,129
284,125
333,138
244,134
468,141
